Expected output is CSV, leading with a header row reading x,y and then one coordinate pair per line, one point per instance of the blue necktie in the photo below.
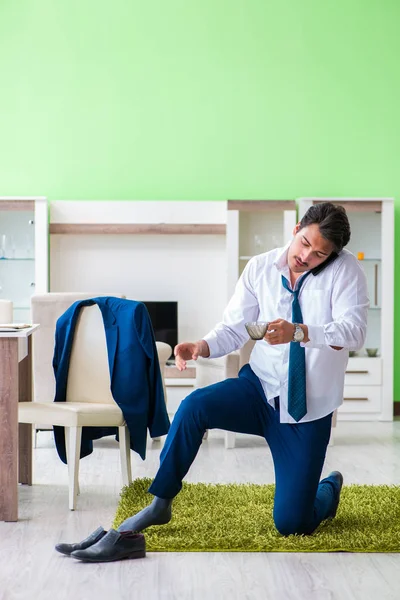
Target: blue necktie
x,y
297,402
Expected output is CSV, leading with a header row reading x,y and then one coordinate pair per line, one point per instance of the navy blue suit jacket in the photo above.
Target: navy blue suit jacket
x,y
136,383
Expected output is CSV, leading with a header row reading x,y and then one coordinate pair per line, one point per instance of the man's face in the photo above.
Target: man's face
x,y
308,249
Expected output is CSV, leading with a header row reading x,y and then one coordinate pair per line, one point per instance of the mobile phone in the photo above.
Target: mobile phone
x,y
333,256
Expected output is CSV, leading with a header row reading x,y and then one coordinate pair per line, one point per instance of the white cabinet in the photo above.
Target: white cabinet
x,y
368,393
23,252
254,227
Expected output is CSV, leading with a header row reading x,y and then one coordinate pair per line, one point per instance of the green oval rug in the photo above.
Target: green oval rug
x,y
238,518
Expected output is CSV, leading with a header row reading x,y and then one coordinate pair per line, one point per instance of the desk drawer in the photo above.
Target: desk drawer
x,y
361,399
363,371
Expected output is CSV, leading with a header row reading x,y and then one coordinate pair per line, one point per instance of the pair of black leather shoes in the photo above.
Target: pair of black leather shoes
x,y
102,546
93,538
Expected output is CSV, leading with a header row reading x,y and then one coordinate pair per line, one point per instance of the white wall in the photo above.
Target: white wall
x,y
189,269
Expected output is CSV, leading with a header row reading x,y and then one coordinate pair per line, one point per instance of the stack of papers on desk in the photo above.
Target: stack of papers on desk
x,y
13,326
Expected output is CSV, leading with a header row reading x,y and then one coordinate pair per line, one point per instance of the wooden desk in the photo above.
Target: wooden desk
x,y
15,441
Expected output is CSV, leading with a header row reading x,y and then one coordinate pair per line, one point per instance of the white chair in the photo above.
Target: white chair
x,y
89,401
46,309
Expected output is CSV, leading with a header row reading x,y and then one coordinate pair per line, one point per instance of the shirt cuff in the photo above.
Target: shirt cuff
x,y
316,335
211,340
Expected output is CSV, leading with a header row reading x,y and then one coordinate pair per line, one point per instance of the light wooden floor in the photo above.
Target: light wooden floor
x,y
31,569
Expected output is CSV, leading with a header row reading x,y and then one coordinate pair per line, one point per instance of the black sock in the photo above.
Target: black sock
x,y
157,513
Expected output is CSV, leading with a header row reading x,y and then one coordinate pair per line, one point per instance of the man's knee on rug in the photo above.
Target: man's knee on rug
x,y
292,523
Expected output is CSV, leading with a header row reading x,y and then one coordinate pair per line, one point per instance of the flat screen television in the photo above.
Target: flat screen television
x,y
164,318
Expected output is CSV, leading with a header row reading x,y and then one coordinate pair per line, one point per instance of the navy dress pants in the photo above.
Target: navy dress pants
x,y
298,450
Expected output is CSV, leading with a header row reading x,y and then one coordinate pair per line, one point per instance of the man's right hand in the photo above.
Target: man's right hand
x,y
190,351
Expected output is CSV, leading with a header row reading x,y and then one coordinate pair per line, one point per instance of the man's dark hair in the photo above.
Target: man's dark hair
x,y
332,221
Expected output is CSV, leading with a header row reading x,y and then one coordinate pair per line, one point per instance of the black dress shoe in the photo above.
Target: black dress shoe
x,y
89,541
114,545
338,478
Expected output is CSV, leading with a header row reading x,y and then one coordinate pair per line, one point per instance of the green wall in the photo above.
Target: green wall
x,y
200,99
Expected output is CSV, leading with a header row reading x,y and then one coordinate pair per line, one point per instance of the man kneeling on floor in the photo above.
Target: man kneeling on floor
x,y
313,295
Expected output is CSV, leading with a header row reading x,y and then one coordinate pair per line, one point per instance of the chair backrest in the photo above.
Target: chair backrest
x,y
46,309
89,373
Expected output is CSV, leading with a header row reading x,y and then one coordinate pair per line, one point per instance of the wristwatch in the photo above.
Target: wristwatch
x,y
298,335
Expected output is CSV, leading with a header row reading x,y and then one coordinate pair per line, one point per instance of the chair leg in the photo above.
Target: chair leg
x,y
125,454
73,454
230,437
66,439
66,434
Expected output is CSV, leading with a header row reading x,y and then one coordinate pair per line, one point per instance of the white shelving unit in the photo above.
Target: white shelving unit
x,y
254,227
23,251
368,393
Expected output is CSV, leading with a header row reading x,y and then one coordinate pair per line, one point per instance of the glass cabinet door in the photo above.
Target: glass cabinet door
x,y
17,260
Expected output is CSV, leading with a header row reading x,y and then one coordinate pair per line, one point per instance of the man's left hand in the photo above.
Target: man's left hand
x,y
279,332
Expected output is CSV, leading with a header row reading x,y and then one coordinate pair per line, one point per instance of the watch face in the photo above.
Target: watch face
x,y
298,334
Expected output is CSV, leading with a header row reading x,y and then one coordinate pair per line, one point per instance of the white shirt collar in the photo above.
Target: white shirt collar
x,y
281,262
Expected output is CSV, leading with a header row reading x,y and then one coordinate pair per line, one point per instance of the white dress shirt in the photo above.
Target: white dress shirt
x,y
334,305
